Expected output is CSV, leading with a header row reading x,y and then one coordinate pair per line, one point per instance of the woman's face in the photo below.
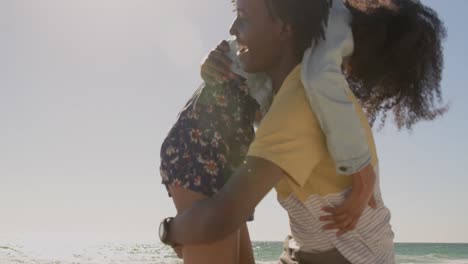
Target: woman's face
x,y
259,36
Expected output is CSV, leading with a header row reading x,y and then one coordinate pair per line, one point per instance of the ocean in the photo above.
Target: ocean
x,y
155,253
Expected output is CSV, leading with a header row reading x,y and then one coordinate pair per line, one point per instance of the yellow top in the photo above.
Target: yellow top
x,y
290,136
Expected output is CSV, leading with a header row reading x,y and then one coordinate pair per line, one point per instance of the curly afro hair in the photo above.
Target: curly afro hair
x,y
397,61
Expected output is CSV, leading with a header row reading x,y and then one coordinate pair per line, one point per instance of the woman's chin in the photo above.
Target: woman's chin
x,y
246,63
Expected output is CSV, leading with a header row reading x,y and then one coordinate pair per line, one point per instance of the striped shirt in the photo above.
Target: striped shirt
x,y
370,242
290,137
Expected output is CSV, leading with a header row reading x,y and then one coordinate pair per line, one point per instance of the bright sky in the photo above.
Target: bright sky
x,y
89,88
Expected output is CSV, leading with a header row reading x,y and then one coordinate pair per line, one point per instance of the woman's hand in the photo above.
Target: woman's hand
x,y
217,66
346,216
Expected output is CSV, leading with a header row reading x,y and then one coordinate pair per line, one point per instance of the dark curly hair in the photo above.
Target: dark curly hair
x,y
398,56
397,60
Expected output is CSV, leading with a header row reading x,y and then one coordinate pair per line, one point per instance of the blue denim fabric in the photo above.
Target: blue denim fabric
x,y
329,93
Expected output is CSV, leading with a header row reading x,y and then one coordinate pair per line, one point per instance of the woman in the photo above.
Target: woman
x,y
188,151
289,151
208,141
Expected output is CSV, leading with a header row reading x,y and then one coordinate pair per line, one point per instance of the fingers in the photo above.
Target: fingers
x,y
212,74
336,225
346,224
216,67
223,46
210,78
219,59
327,218
345,217
351,226
339,222
337,218
340,218
329,209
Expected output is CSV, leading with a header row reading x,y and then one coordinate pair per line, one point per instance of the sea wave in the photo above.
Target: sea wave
x,y
429,259
155,253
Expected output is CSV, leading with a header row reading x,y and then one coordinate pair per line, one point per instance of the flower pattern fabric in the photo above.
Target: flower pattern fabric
x,y
210,137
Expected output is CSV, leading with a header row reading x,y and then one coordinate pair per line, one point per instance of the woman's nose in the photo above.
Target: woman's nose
x,y
233,29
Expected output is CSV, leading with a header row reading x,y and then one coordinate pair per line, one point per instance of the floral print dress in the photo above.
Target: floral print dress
x,y
210,138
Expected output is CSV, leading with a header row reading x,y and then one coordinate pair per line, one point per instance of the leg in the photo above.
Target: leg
x,y
245,248
287,256
225,251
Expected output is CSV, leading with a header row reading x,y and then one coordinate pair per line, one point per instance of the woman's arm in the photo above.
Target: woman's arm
x,y
215,218
246,255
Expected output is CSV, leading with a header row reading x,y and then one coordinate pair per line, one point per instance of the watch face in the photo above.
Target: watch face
x,y
161,231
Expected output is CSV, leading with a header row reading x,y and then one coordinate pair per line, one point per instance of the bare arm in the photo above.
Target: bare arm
x,y
246,255
215,218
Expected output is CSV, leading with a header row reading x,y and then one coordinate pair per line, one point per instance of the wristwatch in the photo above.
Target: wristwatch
x,y
164,231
